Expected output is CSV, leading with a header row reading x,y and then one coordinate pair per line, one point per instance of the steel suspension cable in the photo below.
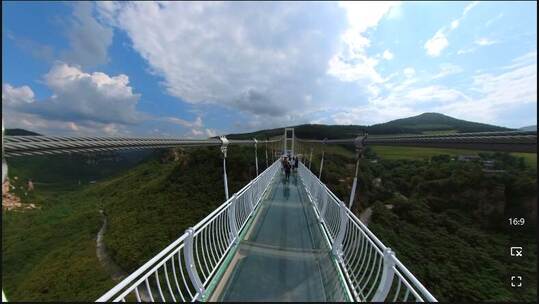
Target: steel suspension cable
x,y
43,145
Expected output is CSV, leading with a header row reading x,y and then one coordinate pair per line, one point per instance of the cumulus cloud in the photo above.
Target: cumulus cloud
x,y
252,57
89,39
387,55
352,62
78,98
16,97
436,44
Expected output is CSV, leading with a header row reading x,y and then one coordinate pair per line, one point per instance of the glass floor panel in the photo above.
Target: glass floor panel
x,y
283,256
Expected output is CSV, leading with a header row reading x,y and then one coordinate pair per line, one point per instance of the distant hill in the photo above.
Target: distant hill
x,y
432,122
421,124
20,132
529,128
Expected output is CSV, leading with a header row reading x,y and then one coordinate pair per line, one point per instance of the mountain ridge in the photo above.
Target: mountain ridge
x,y
419,124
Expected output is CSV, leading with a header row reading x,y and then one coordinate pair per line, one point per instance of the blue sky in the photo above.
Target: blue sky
x,y
202,69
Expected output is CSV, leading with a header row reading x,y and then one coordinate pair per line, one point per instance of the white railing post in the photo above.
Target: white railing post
x,y
232,221
252,198
326,202
190,263
224,145
337,243
387,277
256,155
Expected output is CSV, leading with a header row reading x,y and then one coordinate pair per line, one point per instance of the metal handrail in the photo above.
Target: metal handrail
x,y
371,270
183,270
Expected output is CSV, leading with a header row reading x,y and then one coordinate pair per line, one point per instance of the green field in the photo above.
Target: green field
x,y
421,153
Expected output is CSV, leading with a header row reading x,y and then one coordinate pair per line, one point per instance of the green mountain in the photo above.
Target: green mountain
x,y
529,128
421,124
432,122
20,132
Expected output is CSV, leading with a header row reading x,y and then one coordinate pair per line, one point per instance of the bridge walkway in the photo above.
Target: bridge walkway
x,y
283,255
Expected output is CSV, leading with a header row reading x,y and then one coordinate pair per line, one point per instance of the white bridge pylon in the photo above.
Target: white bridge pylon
x,y
287,138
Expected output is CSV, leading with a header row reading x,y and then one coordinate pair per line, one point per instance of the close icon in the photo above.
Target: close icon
x,y
516,251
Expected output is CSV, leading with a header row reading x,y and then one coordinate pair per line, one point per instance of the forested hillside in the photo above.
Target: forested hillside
x,y
425,123
49,252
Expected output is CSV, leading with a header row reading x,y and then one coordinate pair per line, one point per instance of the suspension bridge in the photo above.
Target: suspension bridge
x,y
275,239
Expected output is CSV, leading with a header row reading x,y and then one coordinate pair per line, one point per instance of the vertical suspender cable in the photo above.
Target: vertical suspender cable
x,y
223,150
311,158
359,142
266,146
256,155
322,160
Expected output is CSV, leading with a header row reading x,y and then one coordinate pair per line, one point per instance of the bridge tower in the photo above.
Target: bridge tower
x,y
289,136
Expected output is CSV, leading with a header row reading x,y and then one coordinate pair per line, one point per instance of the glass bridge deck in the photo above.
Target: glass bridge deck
x,y
283,255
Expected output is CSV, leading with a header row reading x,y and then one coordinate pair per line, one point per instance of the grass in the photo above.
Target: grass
x,y
422,153
529,158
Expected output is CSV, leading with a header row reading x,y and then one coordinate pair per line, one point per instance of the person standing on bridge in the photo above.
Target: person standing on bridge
x,y
296,163
286,166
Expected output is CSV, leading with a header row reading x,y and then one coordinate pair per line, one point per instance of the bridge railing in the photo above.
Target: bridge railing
x,y
183,270
372,271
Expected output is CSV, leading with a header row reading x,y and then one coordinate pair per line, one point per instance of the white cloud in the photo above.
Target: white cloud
x,y
469,7
447,69
352,63
184,123
465,51
12,96
89,39
80,101
387,55
500,93
84,96
488,23
485,41
211,132
371,114
434,93
409,72
455,24
436,44
214,52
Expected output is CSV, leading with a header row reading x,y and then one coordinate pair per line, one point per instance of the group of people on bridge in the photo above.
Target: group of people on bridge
x,y
289,163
